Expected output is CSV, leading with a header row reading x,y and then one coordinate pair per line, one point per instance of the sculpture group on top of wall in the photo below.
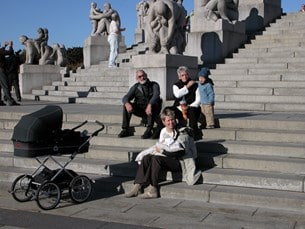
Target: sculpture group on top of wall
x,y
39,52
142,11
221,9
164,26
100,19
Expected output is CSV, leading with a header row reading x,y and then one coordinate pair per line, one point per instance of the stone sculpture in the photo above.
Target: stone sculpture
x,y
142,10
101,19
165,21
39,52
220,9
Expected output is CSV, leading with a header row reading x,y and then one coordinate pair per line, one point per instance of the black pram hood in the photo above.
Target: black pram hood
x,y
40,125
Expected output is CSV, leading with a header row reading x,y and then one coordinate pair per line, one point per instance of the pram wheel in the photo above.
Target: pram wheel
x,y
21,188
48,195
80,189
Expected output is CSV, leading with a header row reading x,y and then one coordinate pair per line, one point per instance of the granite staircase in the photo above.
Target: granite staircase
x,y
268,73
97,84
256,157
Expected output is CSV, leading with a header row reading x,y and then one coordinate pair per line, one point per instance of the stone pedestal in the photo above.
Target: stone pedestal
x,y
35,76
162,68
212,41
258,13
96,49
139,36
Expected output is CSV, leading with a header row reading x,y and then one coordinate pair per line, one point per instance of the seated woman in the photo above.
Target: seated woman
x,y
175,152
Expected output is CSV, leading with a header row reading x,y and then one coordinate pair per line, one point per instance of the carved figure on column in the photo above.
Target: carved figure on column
x,y
94,10
221,9
103,20
164,27
142,10
39,52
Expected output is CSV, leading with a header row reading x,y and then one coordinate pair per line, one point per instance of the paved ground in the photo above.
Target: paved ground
x,y
111,210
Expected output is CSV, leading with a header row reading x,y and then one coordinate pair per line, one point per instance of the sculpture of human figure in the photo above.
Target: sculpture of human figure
x,y
94,10
221,9
39,39
31,49
104,19
164,26
142,8
44,41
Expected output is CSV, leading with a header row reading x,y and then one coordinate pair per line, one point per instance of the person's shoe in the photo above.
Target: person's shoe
x,y
2,103
13,103
134,192
19,99
152,193
210,127
124,133
147,134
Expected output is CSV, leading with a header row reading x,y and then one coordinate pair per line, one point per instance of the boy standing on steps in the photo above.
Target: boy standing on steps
x,y
207,97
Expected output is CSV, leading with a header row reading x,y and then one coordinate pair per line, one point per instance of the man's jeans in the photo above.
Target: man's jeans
x,y
114,47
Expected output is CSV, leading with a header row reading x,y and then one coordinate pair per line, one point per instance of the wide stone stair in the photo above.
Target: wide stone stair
x,y
254,159
268,73
96,84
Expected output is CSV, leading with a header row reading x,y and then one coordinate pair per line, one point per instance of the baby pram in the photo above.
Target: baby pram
x,y
40,135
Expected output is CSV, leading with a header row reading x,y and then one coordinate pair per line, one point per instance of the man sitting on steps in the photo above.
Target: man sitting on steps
x,y
143,100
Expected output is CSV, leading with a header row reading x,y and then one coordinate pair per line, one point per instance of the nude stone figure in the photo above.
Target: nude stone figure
x,y
164,27
221,9
103,20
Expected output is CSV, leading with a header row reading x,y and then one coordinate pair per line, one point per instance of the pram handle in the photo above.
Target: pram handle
x,y
95,133
80,125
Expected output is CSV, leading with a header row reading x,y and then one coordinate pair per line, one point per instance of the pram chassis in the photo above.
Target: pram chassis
x,y
48,190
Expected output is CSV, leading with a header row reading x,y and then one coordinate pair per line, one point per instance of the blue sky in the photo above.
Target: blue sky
x,y
67,20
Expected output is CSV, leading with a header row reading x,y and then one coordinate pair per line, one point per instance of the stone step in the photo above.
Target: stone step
x,y
103,94
49,98
275,45
254,106
92,100
258,163
264,60
260,91
260,52
87,77
101,84
266,99
232,195
102,70
280,32
66,88
253,53
273,42
214,176
247,66
243,91
273,37
261,149
285,79
223,154
85,88
214,194
254,179
257,71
